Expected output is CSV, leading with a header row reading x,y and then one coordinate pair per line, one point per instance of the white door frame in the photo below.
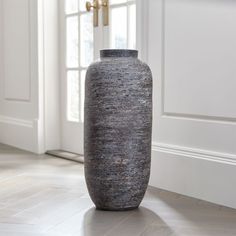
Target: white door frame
x,y
48,129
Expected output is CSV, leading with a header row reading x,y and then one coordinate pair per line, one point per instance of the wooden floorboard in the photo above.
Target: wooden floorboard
x,y
41,195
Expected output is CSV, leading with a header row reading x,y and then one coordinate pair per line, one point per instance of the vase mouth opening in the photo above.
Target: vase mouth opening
x,y
118,53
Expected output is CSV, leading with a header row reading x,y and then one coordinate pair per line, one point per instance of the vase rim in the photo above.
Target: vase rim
x,y
118,53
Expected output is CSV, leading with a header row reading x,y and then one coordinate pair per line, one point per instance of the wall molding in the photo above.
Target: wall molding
x,y
202,118
202,174
226,158
16,121
19,133
189,116
28,97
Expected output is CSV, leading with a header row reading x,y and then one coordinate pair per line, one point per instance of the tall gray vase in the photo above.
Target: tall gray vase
x,y
118,128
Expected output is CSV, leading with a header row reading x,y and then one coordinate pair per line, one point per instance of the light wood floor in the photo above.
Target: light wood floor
x,y
44,195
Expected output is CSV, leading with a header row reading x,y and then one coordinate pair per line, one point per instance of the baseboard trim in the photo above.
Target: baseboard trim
x,y
202,174
195,153
19,133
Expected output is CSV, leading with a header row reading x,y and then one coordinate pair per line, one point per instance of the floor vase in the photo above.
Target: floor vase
x,y
118,129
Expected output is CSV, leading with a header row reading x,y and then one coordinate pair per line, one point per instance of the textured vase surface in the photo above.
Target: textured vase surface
x,y
118,128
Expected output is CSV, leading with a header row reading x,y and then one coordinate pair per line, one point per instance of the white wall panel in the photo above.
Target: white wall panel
x,y
16,35
192,54
200,55
175,122
29,92
19,100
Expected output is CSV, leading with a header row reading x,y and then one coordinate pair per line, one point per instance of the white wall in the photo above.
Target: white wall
x,y
29,74
18,89
191,50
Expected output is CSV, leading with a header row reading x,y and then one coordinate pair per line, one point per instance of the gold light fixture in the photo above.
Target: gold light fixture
x,y
96,5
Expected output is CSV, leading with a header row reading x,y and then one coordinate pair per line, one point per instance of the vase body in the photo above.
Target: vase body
x,y
117,131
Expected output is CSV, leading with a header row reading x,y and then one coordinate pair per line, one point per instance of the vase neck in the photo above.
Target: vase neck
x,y
108,53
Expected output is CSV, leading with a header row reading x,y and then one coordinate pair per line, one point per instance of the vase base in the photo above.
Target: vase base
x,y
116,209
